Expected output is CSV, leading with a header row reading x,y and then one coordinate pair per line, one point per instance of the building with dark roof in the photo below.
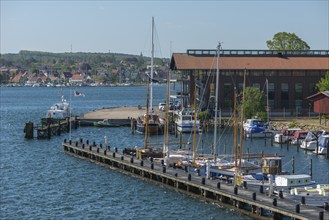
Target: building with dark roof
x,y
291,75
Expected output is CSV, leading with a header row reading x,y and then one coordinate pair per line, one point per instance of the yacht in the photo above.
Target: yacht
x,y
60,110
311,140
323,144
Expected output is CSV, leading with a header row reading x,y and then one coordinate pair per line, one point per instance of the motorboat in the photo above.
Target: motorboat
x,y
311,140
106,123
256,128
185,121
299,136
323,144
60,110
273,176
285,135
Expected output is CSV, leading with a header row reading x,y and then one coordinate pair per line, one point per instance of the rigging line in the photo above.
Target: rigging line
x,y
287,163
209,75
157,41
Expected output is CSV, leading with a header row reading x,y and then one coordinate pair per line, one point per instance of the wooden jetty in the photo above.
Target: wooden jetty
x,y
250,201
51,128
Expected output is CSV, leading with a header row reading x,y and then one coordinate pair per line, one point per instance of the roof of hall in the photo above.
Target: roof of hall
x,y
184,61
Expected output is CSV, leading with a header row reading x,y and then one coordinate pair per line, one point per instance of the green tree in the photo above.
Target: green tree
x,y
323,84
254,103
287,41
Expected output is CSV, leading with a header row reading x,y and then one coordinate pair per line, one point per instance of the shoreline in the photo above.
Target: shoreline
x,y
125,112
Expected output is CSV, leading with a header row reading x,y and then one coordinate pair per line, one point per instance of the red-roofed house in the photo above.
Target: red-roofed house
x,y
77,78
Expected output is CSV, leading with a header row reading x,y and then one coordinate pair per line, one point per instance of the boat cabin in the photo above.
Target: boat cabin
x,y
293,180
272,165
253,123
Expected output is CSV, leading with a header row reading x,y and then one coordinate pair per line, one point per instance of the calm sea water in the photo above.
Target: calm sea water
x,y
37,180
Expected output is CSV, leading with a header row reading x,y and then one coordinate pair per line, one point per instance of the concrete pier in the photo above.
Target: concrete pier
x,y
247,200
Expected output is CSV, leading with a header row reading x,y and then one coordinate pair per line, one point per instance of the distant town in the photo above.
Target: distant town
x,y
33,68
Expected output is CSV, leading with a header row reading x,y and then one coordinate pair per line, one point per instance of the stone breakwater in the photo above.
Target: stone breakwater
x,y
303,123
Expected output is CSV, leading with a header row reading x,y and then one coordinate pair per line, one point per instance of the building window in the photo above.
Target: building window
x,y
256,85
284,95
312,89
271,95
299,91
240,87
298,97
228,96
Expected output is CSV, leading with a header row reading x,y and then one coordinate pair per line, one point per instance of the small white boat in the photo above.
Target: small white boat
x,y
185,122
323,144
298,137
272,175
106,123
285,135
311,140
60,110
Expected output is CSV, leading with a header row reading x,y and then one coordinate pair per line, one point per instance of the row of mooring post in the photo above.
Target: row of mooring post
x,y
275,201
47,131
293,166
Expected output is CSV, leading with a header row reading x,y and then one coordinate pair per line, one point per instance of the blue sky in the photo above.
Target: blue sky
x,y
125,26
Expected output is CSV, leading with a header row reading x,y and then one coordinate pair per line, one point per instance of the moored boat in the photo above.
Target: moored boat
x,y
285,135
60,110
272,175
323,144
149,123
154,125
299,136
185,121
311,140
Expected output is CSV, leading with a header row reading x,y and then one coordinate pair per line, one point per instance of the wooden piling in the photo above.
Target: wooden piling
x,y
29,132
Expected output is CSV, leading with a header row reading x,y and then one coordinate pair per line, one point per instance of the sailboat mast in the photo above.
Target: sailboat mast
x,y
216,103
194,130
235,147
152,70
146,118
267,104
242,117
166,125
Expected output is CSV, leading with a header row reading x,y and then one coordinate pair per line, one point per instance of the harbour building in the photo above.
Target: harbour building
x,y
287,77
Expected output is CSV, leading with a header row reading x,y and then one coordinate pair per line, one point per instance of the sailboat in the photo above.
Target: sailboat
x,y
150,122
222,165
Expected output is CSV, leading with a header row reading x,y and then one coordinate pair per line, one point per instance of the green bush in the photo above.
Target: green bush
x,y
202,116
